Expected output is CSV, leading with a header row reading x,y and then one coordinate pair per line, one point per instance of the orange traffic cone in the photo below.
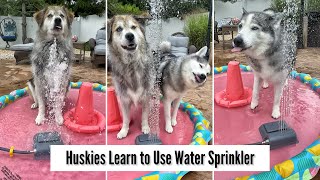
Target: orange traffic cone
x,y
235,95
84,113
84,118
114,116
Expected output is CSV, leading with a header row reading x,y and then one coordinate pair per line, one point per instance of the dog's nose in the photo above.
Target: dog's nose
x,y
238,41
57,21
129,36
202,77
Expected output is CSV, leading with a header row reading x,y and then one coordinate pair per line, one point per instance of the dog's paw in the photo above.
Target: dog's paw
x,y
59,120
173,122
265,85
275,114
254,105
34,106
123,133
39,120
169,128
145,129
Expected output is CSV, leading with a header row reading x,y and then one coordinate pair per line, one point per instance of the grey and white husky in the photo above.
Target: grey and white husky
x,y
178,75
131,68
261,38
51,61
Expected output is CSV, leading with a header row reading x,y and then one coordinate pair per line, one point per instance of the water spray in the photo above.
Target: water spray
x,y
154,36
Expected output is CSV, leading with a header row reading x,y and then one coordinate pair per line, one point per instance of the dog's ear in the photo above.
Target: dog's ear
x,y
276,19
140,21
39,16
109,28
244,11
270,11
142,29
70,15
202,52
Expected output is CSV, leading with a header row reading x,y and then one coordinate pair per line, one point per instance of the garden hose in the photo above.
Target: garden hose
x,y
12,151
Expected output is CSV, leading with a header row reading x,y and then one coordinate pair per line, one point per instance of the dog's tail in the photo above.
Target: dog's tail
x,y
165,47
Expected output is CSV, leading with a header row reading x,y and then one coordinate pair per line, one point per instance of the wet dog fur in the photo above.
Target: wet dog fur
x,y
131,68
261,38
54,26
178,75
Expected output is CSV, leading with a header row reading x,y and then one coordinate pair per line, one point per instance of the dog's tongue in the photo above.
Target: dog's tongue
x,y
236,49
198,79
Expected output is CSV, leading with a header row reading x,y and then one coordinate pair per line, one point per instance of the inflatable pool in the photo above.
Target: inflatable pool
x,y
18,128
191,128
240,126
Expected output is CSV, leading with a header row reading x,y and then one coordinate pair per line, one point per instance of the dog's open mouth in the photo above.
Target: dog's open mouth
x,y
239,49
58,28
130,47
197,78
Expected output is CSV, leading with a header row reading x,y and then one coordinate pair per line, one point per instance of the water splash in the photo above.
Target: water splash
x,y
290,46
154,37
55,80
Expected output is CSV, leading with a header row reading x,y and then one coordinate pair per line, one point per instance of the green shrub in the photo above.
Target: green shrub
x,y
196,29
278,5
115,8
313,6
292,10
310,5
141,4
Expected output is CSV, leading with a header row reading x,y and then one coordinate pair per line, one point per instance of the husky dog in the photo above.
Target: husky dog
x,y
180,74
260,37
51,61
131,68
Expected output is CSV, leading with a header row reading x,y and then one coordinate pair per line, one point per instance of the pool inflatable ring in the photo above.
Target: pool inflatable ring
x,y
306,164
201,136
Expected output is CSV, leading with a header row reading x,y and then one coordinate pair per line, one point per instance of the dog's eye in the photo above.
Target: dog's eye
x,y
119,29
200,65
61,15
254,28
50,16
133,27
240,26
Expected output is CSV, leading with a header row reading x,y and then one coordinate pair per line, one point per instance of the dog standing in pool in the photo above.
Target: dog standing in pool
x,y
131,68
51,62
262,38
178,75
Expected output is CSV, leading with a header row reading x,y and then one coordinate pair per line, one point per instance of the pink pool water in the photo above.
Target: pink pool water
x,y
240,125
18,128
182,135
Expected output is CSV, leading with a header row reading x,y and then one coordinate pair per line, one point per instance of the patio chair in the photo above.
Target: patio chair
x,y
216,37
180,44
22,51
98,48
8,31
